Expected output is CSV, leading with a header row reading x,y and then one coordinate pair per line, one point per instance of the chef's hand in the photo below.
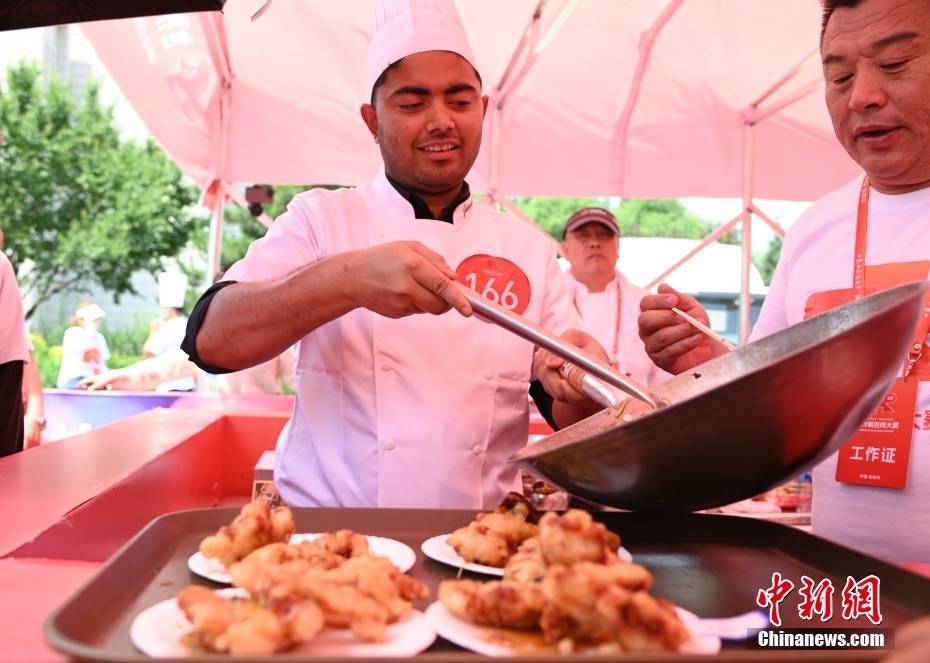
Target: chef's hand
x,y
671,342
546,368
402,278
911,642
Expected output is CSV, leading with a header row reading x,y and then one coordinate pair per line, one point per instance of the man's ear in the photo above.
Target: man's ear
x,y
370,118
484,104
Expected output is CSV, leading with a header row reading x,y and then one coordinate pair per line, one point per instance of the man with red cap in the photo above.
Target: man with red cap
x,y
606,300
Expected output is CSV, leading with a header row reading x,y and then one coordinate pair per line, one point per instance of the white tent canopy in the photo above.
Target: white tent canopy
x,y
633,98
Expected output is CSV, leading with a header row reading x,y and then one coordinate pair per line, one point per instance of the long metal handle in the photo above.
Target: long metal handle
x,y
533,333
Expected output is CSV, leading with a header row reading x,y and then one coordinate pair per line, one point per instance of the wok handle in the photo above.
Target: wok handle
x,y
517,324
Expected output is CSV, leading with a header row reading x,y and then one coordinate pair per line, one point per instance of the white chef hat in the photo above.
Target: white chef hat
x,y
89,312
172,287
404,27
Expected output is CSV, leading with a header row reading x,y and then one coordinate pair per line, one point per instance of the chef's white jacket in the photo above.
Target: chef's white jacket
x,y
421,411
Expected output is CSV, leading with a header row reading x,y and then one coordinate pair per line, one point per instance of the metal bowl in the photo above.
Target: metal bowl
x,y
742,423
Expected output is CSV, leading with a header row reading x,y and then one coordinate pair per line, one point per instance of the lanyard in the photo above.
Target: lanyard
x,y
615,355
862,225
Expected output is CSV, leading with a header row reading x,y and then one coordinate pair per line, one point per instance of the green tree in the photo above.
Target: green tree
x,y
767,262
80,207
240,229
550,214
659,218
638,217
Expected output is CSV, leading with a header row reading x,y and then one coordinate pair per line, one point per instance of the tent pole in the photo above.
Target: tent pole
x,y
784,79
718,232
774,225
756,115
215,33
745,303
622,130
215,240
537,45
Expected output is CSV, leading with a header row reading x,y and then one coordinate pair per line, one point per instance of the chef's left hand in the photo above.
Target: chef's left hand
x,y
546,367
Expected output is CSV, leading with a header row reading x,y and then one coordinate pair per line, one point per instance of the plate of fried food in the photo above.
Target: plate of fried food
x,y
489,542
312,597
566,592
257,525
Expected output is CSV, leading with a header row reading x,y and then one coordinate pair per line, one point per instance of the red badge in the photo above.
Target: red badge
x,y
878,455
498,279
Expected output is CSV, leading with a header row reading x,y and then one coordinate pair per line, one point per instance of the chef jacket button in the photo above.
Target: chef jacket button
x,y
389,445
488,374
476,449
385,367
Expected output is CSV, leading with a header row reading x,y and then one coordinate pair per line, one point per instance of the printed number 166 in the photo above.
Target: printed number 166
x,y
507,298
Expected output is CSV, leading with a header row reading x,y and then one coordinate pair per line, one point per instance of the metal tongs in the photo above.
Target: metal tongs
x,y
584,371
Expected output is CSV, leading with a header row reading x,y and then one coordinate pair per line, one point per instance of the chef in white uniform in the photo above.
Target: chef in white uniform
x,y
605,298
393,408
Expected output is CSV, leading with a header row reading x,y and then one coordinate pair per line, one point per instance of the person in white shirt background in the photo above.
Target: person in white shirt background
x,y
394,408
84,350
606,300
876,66
168,329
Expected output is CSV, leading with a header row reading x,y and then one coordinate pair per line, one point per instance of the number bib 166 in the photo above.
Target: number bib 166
x,y
498,279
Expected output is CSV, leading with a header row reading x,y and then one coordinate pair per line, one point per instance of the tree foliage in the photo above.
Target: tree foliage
x,y
767,262
637,217
79,206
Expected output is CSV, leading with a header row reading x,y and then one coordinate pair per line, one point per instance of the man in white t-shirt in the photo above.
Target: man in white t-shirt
x,y
14,352
876,64
607,301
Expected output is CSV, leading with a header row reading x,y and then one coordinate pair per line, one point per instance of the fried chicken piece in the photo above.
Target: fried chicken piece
x,y
500,603
305,620
236,626
345,543
364,594
527,565
492,538
589,603
243,626
254,527
575,537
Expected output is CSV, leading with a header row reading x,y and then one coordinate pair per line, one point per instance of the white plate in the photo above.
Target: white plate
x,y
400,554
476,638
438,548
157,632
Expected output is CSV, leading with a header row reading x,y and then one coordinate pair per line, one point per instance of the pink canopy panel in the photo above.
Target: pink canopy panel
x,y
636,98
657,98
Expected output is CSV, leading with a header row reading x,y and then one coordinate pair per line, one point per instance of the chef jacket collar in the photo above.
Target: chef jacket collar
x,y
421,210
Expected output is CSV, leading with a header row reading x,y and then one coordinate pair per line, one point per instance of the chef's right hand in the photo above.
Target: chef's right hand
x,y
402,278
671,342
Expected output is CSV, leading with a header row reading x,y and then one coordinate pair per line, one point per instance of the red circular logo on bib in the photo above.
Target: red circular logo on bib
x,y
498,279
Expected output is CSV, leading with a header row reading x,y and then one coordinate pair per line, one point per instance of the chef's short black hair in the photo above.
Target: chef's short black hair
x,y
383,77
829,6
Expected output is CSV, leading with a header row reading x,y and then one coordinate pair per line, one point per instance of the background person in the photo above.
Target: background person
x,y
84,350
606,300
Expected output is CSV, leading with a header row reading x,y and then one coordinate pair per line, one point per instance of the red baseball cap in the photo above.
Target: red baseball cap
x,y
592,215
